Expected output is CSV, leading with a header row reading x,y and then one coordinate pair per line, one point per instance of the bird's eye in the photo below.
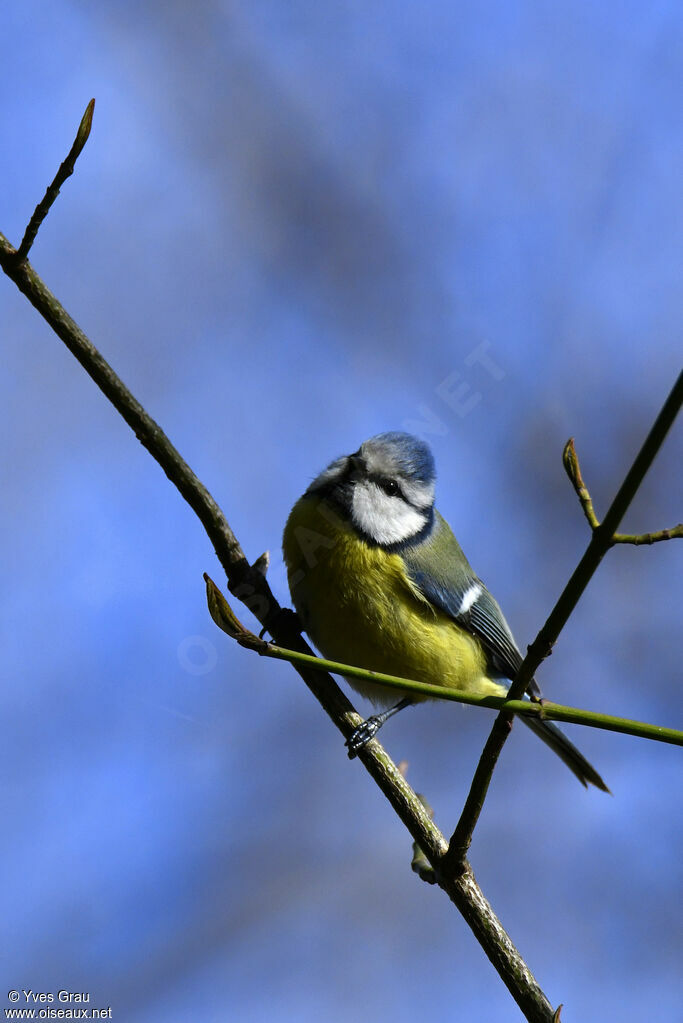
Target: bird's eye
x,y
390,487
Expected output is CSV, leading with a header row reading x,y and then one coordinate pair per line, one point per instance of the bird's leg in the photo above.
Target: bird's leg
x,y
371,727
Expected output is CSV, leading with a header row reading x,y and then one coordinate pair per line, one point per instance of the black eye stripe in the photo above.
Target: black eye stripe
x,y
387,484
392,488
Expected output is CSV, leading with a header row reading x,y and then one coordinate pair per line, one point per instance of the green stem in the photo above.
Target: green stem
x,y
549,711
638,539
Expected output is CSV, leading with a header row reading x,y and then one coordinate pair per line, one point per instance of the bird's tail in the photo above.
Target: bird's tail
x,y
567,751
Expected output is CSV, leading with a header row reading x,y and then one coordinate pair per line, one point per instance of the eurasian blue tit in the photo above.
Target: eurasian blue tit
x,y
379,581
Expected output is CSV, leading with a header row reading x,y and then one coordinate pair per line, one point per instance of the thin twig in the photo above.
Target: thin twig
x,y
66,170
600,542
461,839
674,533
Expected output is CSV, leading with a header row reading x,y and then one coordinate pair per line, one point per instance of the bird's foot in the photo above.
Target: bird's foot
x,y
362,735
371,726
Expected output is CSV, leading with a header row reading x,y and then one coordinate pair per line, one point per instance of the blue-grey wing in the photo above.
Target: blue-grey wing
x,y
450,585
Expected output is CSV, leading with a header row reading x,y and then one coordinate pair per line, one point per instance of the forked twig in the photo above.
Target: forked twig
x,y
570,461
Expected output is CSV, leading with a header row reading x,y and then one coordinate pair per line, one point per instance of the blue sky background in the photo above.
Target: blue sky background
x,y
296,225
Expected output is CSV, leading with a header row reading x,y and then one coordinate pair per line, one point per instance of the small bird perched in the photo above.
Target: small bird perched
x,y
379,581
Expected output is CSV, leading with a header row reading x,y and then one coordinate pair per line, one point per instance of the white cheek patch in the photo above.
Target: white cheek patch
x,y
384,519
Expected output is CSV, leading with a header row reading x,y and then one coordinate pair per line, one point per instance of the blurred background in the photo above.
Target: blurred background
x,y
296,225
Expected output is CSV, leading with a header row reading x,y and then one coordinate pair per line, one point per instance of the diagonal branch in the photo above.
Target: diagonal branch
x,y
602,539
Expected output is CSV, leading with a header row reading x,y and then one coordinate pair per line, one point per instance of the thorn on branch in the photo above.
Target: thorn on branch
x,y
66,169
262,563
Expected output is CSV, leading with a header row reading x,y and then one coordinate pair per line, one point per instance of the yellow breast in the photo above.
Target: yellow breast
x,y
359,607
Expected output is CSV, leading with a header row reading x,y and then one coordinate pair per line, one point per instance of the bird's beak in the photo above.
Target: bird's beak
x,y
357,465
